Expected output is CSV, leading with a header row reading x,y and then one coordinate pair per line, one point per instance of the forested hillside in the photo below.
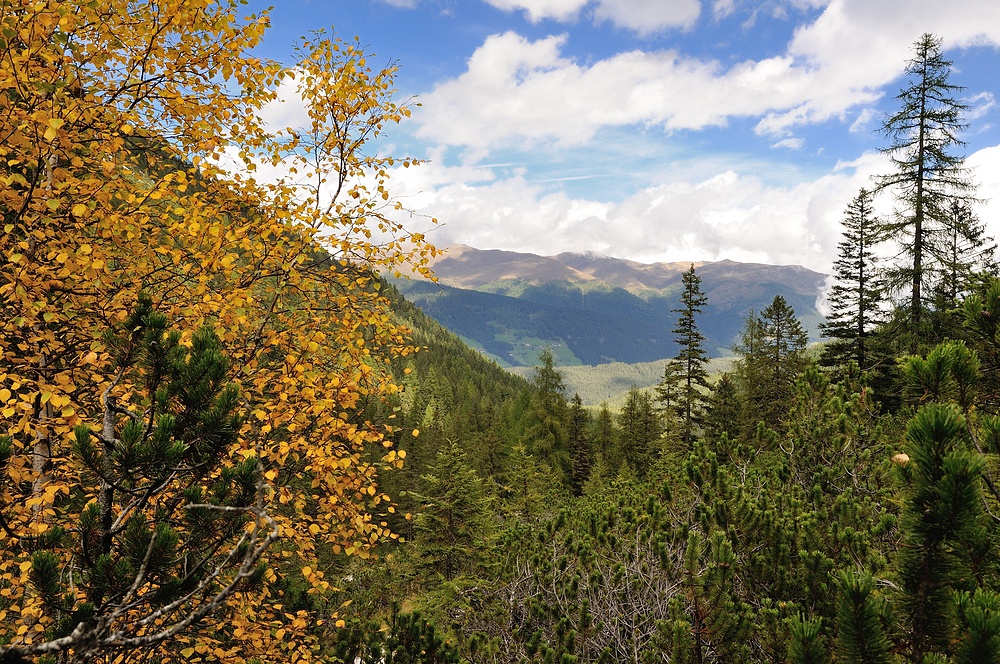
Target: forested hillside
x,y
791,511
591,309
226,438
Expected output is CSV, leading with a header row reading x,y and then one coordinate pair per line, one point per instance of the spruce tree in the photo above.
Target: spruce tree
x,y
639,431
928,176
772,351
857,295
579,445
966,255
691,356
454,518
546,436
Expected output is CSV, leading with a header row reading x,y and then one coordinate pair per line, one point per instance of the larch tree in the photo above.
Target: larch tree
x,y
928,176
856,298
116,118
691,356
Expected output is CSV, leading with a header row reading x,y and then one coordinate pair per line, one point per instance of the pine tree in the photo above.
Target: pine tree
x,y
173,565
856,297
723,414
603,436
806,645
861,614
942,511
967,253
691,356
784,340
669,401
928,176
750,376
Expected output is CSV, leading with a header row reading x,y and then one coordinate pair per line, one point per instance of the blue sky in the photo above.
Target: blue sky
x,y
656,130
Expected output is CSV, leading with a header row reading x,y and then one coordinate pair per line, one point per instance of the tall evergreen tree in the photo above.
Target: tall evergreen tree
x,y
856,297
451,526
968,251
640,430
691,356
927,175
772,354
579,445
547,437
967,255
602,436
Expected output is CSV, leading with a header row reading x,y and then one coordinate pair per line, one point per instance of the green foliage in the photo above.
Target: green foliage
x,y
806,644
927,177
691,357
941,515
772,354
857,296
861,621
454,520
407,639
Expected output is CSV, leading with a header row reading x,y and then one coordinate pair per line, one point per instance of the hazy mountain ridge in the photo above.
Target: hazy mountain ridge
x,y
594,309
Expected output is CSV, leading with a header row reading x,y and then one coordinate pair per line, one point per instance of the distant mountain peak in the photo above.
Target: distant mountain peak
x,y
591,308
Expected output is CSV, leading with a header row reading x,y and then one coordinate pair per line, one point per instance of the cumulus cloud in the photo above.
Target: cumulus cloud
x,y
537,10
521,91
649,16
518,90
712,217
641,16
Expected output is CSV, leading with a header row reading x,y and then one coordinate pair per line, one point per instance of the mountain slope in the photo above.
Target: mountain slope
x,y
593,309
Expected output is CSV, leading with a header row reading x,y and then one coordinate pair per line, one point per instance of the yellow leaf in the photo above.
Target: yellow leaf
x,y
79,210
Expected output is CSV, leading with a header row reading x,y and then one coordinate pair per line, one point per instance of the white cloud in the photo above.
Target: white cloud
x,y
865,122
537,10
980,105
723,8
789,143
649,16
641,16
524,92
713,217
402,4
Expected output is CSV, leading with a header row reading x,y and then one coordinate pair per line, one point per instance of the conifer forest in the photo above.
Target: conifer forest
x,y
225,437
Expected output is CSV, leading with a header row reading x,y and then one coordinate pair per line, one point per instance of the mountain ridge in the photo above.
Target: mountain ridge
x,y
594,309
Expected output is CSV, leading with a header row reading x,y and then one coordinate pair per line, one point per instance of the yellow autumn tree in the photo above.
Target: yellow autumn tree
x,y
190,353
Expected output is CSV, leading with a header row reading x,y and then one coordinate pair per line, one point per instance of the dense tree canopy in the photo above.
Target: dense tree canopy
x,y
117,116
